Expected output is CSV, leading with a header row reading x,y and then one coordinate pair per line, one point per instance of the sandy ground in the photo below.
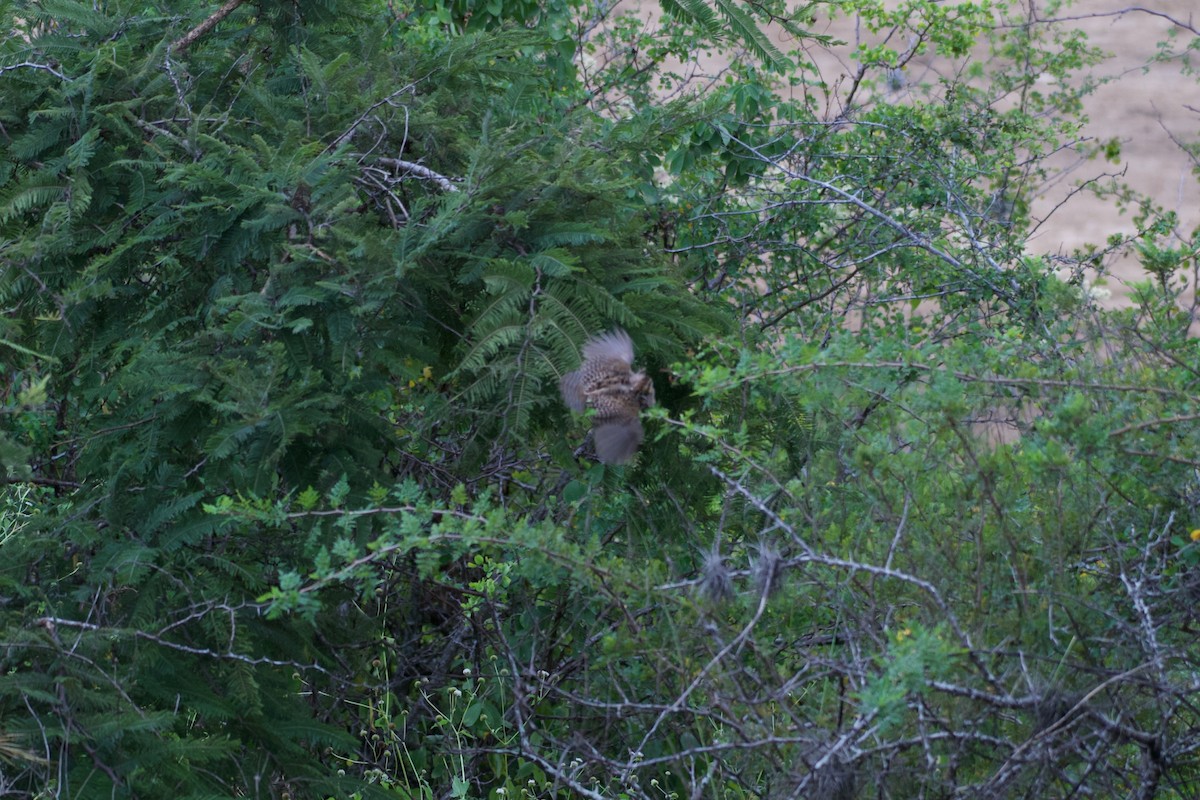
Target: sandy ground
x,y
1147,107
1149,110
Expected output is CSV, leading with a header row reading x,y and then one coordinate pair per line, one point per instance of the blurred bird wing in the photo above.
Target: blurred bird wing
x,y
617,440
615,344
571,387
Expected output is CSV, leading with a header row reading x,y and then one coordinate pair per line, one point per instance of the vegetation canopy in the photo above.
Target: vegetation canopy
x,y
293,506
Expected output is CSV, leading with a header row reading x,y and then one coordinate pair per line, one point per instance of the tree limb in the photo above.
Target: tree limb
x,y
421,172
185,41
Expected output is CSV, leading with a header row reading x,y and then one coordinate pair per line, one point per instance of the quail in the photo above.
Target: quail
x,y
606,382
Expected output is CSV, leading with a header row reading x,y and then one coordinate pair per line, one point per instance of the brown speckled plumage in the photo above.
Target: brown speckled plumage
x,y
606,382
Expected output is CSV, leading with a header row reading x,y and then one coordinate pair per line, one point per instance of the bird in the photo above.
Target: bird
x,y
606,382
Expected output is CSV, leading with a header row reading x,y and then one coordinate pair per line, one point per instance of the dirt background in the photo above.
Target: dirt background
x,y
1147,106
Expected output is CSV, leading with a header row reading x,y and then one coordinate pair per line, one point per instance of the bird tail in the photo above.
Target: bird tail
x,y
617,440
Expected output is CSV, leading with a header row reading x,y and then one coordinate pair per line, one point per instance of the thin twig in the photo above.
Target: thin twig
x,y
1151,423
51,623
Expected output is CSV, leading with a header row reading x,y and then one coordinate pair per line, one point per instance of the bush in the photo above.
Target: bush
x,y
293,507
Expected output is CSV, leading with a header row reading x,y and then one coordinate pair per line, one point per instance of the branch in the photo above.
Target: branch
x,y
339,512
1137,426
51,623
852,199
32,65
680,702
1176,22
184,42
421,172
965,377
341,139
1002,775
1190,462
39,481
155,130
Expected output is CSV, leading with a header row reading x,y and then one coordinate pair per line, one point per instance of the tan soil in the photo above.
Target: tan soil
x,y
1143,107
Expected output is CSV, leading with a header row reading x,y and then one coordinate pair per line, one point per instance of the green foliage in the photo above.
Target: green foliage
x,y
292,507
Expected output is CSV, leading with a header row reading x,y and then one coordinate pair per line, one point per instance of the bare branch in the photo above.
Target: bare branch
x,y
52,623
32,65
184,42
1175,21
421,172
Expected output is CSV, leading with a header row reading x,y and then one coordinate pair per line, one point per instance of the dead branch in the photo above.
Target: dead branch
x,y
185,41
